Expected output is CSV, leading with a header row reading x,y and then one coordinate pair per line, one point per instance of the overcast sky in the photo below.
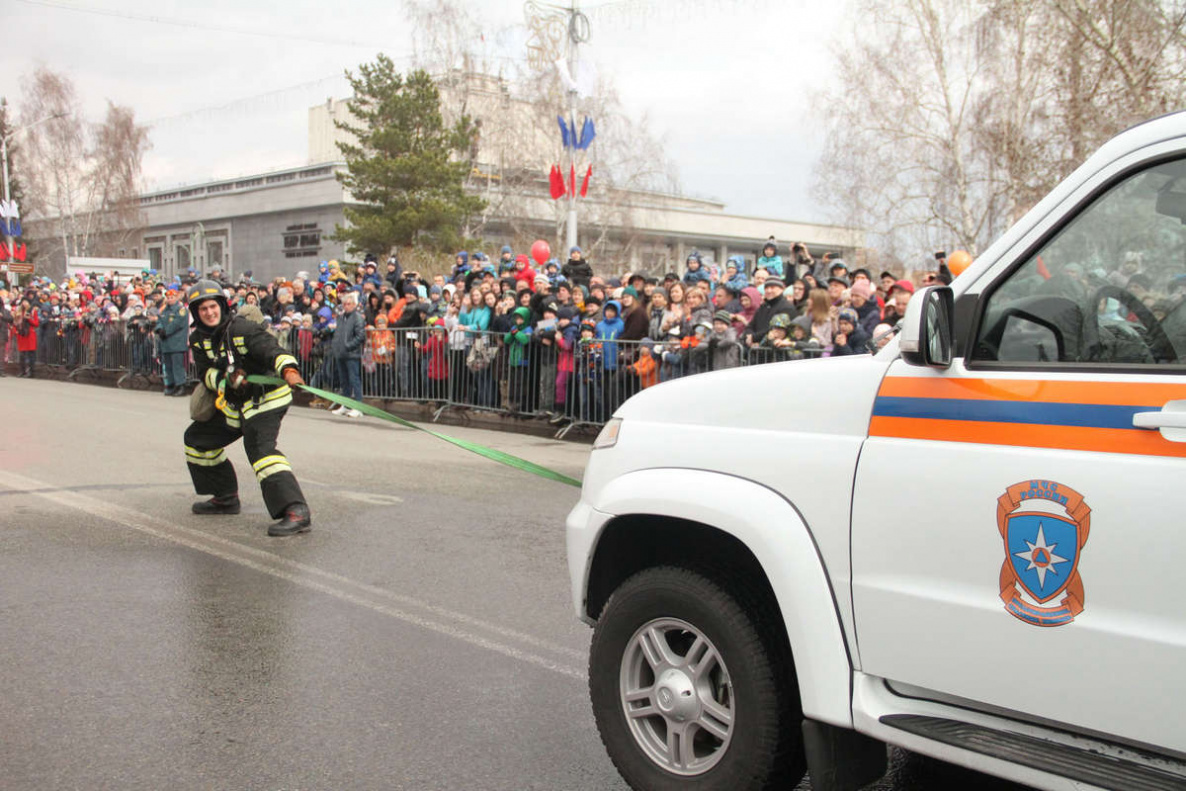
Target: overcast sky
x,y
226,84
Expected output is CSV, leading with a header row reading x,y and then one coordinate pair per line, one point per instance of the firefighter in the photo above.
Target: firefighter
x,y
227,349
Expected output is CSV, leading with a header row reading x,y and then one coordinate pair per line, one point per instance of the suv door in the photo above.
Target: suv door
x,y
1015,538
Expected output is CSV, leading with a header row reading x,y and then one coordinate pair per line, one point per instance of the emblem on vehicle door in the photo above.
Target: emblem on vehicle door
x,y
1044,525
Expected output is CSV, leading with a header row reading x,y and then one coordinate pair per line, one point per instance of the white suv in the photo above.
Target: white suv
x,y
966,545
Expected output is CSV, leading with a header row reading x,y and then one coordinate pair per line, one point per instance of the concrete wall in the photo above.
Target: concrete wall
x,y
258,242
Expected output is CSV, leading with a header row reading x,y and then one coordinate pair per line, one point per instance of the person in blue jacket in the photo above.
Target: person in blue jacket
x,y
608,330
696,270
770,260
734,276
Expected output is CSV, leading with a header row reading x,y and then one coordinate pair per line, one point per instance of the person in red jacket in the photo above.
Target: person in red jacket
x,y
438,361
524,272
24,323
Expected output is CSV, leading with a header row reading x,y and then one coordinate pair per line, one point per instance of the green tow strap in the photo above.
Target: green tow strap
x,y
472,447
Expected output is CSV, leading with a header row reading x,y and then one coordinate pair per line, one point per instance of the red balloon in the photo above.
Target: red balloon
x,y
541,252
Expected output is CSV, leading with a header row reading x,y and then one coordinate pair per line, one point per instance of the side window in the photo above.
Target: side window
x,y
1109,288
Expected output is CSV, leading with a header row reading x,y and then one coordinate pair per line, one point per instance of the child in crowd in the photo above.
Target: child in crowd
x,y
382,341
849,338
725,351
645,367
519,360
802,342
438,362
770,261
567,335
587,361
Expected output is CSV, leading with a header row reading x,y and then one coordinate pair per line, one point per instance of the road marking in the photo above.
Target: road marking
x,y
307,576
371,498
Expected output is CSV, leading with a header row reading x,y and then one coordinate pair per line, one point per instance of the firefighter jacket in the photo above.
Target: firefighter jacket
x,y
244,345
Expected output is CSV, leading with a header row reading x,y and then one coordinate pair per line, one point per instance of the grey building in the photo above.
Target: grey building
x,y
279,223
272,224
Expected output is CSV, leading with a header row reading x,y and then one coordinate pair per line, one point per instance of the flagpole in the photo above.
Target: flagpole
x,y
572,115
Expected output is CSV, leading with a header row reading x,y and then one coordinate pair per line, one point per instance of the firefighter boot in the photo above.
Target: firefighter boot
x,y
228,504
296,519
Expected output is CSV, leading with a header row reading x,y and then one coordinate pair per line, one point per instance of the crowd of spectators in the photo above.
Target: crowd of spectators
x,y
489,331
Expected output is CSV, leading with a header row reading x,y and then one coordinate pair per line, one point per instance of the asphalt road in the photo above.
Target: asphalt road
x,y
421,637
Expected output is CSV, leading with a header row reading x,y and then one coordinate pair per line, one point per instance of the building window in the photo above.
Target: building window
x,y
214,253
301,240
154,258
181,255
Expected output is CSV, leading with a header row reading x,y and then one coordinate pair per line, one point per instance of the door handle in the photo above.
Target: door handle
x,y
1170,420
1159,420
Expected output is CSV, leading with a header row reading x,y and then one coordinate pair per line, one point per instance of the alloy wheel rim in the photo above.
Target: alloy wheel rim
x,y
677,696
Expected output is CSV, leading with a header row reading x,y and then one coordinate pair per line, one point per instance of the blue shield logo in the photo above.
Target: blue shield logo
x,y
1044,551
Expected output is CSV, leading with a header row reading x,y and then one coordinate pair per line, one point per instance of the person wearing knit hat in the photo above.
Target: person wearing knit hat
x,y
773,303
836,287
724,351
577,269
848,338
866,307
770,260
899,296
635,315
696,271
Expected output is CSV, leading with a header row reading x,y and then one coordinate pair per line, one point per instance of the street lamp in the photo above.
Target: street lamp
x,y
12,279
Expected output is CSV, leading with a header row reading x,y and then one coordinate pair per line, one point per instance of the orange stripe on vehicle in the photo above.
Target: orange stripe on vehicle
x,y
1100,440
1061,392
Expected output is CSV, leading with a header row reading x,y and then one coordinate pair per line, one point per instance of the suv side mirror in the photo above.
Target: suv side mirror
x,y
928,330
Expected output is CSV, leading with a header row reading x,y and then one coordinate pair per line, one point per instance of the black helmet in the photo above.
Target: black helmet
x,y
203,290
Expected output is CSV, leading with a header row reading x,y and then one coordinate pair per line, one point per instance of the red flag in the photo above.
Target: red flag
x,y
572,181
585,183
4,252
19,251
1042,270
556,182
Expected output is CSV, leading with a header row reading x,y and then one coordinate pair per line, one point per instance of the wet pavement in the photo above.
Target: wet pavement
x,y
421,637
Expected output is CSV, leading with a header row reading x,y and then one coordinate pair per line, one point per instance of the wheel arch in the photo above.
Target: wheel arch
x,y
691,518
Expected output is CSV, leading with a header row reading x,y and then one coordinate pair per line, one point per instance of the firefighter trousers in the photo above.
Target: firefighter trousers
x,y
213,474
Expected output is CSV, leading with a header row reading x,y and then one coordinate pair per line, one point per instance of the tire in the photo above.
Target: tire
x,y
713,700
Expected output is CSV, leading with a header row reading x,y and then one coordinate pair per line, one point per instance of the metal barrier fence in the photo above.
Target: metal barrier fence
x,y
571,382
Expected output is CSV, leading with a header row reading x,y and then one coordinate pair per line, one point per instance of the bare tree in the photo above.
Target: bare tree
x,y
516,107
83,178
951,119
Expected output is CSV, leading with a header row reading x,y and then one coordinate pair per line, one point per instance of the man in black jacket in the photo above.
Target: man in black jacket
x,y
226,350
773,303
577,270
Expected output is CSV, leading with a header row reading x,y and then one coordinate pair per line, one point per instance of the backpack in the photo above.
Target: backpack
x,y
481,354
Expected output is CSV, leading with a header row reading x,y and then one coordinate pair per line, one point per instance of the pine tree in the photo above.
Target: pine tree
x,y
407,169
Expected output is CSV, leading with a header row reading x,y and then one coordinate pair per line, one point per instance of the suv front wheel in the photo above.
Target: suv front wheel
x,y
686,689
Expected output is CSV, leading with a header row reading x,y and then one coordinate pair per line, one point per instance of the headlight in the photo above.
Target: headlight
x,y
609,434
